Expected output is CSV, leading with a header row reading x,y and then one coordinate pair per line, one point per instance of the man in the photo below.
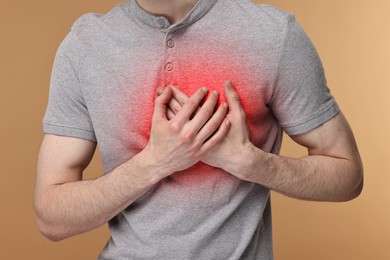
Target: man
x,y
188,171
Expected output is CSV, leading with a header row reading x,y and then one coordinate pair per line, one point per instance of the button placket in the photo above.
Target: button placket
x,y
169,66
170,43
161,23
170,59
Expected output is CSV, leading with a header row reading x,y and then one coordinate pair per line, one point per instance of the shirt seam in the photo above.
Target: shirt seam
x,y
69,127
311,118
280,56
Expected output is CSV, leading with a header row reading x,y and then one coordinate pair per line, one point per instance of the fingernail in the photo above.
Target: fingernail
x,y
204,89
215,92
225,105
229,84
227,122
160,90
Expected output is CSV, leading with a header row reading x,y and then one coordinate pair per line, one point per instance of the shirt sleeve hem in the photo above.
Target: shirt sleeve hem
x,y
313,122
69,131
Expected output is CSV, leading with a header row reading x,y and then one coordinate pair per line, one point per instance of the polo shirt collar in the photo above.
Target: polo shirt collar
x,y
160,22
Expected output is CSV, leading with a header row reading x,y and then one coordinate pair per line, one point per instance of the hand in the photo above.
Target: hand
x,y
230,154
181,141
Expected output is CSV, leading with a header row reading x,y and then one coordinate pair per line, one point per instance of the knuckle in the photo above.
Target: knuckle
x,y
174,126
214,141
208,112
186,137
213,125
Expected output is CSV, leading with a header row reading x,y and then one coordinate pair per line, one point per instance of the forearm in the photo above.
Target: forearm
x,y
65,205
314,177
72,208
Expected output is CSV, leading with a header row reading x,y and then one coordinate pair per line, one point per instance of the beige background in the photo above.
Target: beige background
x,y
353,39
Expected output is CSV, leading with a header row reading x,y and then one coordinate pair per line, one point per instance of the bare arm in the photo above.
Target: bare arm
x,y
66,205
332,171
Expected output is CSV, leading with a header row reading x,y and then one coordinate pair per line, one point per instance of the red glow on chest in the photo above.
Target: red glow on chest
x,y
191,70
212,68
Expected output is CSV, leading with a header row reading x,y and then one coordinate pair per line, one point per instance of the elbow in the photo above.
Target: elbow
x,y
359,187
52,232
49,232
356,184
355,192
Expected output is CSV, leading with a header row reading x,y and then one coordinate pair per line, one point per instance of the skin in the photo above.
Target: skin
x,y
65,205
332,170
174,10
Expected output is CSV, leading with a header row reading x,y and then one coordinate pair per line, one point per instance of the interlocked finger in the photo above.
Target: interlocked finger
x,y
216,138
179,96
204,113
185,113
170,114
213,124
174,106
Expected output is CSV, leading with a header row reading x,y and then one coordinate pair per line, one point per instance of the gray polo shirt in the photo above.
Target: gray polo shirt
x,y
103,85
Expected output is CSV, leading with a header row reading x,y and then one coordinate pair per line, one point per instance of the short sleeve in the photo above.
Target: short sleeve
x,y
301,100
67,113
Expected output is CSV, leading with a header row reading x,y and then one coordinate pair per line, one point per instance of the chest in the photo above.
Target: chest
x,y
119,84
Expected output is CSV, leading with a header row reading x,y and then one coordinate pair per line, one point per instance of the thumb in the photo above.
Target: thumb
x,y
161,102
232,97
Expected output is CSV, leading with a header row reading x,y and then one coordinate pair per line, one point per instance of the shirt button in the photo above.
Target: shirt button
x,y
161,22
169,66
170,43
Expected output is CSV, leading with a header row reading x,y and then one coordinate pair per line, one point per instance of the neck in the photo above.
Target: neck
x,y
173,10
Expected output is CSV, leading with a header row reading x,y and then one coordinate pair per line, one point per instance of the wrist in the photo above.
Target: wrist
x,y
153,170
242,163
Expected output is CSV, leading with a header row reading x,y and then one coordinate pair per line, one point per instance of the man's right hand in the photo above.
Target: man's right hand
x,y
180,142
67,205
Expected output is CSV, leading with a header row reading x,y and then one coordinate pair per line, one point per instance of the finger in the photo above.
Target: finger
x,y
170,114
174,105
232,97
213,124
159,91
217,138
205,113
190,106
179,95
160,104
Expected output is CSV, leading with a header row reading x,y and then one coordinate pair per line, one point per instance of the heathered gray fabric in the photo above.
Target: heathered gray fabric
x,y
103,85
